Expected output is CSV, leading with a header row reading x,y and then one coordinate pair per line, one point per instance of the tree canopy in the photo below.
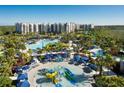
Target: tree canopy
x,y
106,81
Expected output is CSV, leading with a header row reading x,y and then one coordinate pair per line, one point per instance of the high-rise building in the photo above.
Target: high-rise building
x,y
40,28
86,27
77,27
60,28
48,28
52,27
25,28
31,28
18,27
35,28
70,27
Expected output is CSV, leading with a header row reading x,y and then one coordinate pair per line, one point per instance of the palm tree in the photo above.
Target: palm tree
x,y
25,57
5,81
10,52
6,65
104,61
114,81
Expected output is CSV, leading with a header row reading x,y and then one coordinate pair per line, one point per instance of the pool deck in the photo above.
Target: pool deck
x,y
32,72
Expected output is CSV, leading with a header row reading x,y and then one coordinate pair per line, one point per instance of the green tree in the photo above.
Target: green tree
x,y
113,81
5,81
104,61
10,52
26,57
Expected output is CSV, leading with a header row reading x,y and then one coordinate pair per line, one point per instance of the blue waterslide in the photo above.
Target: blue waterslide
x,y
70,76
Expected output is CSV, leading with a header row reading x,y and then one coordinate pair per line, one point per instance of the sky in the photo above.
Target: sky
x,y
84,14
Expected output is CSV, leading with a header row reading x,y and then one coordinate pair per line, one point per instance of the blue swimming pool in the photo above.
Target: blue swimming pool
x,y
41,43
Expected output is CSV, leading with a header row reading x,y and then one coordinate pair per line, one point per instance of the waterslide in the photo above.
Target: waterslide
x,y
69,75
53,77
63,72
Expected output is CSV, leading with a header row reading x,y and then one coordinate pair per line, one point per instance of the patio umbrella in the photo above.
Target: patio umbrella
x,y
22,76
25,67
23,84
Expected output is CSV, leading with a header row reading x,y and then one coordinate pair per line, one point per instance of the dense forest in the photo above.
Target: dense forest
x,y
6,30
116,31
112,27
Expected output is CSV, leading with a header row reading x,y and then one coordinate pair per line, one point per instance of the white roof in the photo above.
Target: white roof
x,y
95,50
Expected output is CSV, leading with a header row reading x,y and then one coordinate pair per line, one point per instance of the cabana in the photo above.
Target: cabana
x,y
22,76
23,84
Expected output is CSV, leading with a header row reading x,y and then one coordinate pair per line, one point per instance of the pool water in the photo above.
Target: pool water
x,y
79,76
41,43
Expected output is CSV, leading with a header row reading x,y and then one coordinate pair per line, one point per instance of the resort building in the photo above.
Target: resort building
x,y
86,27
30,27
25,28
